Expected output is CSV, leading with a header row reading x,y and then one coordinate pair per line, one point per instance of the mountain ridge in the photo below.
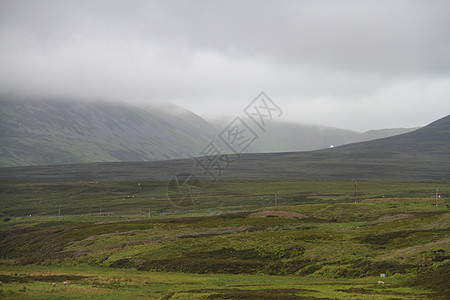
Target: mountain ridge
x,y
423,154
54,131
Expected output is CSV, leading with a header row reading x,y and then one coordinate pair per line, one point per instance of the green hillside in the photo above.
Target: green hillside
x,y
316,243
235,239
55,131
49,132
419,155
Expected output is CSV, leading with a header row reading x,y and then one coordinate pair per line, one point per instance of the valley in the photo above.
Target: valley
x,y
317,240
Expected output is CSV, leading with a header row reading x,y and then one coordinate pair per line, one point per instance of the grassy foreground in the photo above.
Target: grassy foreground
x,y
83,282
317,243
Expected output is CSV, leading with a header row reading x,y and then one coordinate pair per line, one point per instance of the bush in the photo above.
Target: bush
x,y
436,279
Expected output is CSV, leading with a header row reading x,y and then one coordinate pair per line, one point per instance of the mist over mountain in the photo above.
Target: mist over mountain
x,y
51,131
45,132
423,154
288,136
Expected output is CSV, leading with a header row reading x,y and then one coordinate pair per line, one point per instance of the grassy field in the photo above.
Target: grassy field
x,y
133,198
320,241
100,283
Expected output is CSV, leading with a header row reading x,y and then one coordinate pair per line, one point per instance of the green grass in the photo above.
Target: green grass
x,y
133,198
418,155
99,283
337,251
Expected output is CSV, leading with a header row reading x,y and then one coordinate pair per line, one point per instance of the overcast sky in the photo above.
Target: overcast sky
x,y
350,64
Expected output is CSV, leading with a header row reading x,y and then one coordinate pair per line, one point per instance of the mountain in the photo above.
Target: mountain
x,y
423,154
379,134
290,137
286,136
47,132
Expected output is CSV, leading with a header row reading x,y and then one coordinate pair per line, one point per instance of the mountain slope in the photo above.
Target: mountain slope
x,y
289,137
45,132
49,132
379,134
423,154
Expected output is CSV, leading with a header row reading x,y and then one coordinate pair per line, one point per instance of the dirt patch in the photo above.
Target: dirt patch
x,y
376,292
442,222
395,217
197,234
291,293
94,237
415,250
278,213
43,278
219,231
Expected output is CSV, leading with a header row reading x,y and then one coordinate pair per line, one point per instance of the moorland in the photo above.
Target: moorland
x,y
235,240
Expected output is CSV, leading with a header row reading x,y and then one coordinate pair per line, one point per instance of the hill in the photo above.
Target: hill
x,y
289,137
419,155
51,131
316,244
48,132
292,137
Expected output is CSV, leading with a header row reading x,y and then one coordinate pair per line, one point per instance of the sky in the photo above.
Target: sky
x,y
356,65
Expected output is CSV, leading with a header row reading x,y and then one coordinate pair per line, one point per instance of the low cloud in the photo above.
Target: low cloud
x,y
351,64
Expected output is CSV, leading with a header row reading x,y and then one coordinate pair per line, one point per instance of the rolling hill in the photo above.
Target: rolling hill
x,y
419,155
51,132
290,137
48,132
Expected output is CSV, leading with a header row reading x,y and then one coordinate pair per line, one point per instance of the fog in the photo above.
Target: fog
x,y
352,64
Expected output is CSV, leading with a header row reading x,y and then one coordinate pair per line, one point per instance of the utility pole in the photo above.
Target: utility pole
x,y
59,212
437,195
276,200
149,213
356,183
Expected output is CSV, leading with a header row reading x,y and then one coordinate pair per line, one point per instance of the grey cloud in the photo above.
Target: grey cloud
x,y
403,36
213,56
